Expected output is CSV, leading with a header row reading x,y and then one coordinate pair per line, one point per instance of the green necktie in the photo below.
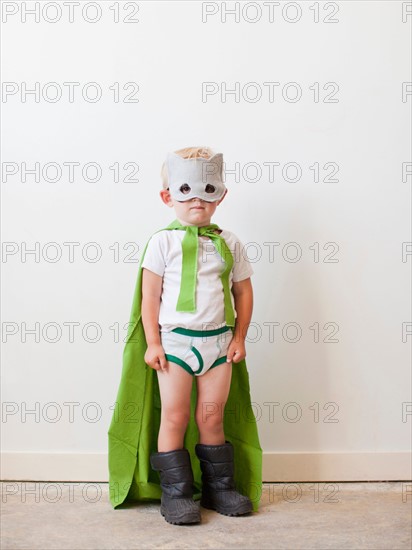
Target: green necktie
x,y
190,245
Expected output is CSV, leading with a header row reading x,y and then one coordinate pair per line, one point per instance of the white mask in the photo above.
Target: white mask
x,y
196,177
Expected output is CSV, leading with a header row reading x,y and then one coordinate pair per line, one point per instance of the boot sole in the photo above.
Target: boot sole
x,y
179,521
241,511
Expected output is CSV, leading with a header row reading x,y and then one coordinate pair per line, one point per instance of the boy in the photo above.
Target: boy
x,y
196,305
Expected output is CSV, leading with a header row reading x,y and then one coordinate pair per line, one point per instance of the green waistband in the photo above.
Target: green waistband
x,y
188,332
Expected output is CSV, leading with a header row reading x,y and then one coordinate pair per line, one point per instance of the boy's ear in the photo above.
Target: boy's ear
x,y
166,197
220,200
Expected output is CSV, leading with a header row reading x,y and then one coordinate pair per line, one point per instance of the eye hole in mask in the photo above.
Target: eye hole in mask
x,y
210,188
185,189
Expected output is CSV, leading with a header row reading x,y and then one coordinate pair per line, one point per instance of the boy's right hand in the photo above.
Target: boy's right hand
x,y
155,357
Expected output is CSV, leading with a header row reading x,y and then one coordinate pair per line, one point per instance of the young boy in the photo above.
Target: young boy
x,y
191,311
186,346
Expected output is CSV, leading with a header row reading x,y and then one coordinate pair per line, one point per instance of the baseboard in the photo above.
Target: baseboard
x,y
277,467
353,466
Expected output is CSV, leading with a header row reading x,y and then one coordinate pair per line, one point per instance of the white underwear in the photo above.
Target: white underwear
x,y
197,351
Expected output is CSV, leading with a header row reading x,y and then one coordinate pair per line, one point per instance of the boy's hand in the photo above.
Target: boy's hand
x,y
155,357
236,351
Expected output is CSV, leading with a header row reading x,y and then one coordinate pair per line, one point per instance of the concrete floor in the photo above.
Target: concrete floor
x,y
293,516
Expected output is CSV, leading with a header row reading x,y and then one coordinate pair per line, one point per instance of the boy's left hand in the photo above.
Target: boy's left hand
x,y
236,351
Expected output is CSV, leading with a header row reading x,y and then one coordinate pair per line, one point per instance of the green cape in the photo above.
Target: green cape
x,y
135,424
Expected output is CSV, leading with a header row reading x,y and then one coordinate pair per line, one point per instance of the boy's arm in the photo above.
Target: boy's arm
x,y
243,296
151,293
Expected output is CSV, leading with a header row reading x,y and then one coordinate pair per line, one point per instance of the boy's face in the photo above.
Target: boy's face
x,y
193,211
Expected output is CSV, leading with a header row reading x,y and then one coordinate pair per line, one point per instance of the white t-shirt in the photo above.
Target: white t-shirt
x,y
164,257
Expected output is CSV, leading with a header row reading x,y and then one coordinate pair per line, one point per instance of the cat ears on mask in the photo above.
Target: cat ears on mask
x,y
211,168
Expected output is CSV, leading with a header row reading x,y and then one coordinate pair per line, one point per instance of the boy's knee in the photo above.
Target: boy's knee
x,y
176,418
209,423
209,413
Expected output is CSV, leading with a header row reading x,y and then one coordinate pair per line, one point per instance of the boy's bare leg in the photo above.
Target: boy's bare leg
x,y
175,386
212,393
217,461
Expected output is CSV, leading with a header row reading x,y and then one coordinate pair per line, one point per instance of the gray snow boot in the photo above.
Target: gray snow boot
x,y
176,480
218,486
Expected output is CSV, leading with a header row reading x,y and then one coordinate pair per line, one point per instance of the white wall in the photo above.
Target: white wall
x,y
360,299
